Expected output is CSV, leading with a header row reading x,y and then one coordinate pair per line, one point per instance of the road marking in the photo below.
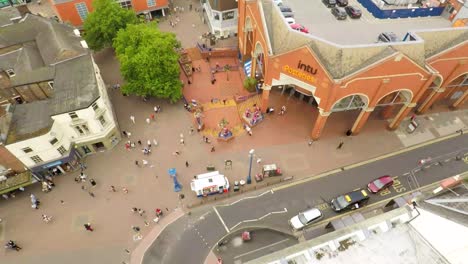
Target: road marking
x,y
221,219
262,248
249,197
258,219
358,164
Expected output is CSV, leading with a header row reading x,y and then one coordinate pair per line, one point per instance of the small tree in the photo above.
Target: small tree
x,y
226,69
101,25
249,84
149,61
223,123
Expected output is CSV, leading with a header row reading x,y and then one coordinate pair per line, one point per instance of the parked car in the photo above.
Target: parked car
x,y
305,218
329,3
290,20
287,14
380,183
351,200
387,37
285,9
353,12
342,3
339,13
299,27
278,2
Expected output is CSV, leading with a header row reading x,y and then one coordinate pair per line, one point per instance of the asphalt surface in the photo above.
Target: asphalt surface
x,y
192,237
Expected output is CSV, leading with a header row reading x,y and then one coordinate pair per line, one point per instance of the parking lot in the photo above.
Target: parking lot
x,y
315,16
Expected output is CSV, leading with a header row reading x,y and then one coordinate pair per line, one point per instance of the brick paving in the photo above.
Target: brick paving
x,y
279,139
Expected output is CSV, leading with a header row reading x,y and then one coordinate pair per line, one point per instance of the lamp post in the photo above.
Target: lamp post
x,y
249,177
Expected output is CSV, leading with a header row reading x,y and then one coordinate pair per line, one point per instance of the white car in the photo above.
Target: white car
x,y
290,20
278,2
305,218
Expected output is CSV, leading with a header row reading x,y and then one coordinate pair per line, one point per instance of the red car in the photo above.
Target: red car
x,y
380,183
299,27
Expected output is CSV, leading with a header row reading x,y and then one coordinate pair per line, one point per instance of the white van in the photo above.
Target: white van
x,y
305,218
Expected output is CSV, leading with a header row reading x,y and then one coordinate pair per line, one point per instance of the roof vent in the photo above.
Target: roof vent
x,y
10,72
84,44
77,32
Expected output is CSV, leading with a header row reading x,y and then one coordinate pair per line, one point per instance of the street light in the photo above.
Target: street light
x,y
249,177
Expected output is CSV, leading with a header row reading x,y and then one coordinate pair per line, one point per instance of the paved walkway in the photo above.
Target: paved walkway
x,y
279,139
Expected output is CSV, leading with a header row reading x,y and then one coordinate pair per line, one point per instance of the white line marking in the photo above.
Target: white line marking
x,y
221,219
258,249
258,219
245,198
406,174
447,160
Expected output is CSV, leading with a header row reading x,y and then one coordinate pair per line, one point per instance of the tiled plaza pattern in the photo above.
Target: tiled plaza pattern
x,y
279,139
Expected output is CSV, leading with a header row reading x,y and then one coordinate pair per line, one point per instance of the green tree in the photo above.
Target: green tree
x,y
101,25
250,83
149,61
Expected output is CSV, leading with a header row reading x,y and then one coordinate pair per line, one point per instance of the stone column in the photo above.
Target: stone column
x,y
265,97
361,120
401,115
430,100
319,124
461,100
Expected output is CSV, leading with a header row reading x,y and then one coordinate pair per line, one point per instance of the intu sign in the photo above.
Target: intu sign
x,y
306,68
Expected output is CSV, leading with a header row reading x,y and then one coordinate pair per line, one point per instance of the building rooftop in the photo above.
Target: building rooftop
x,y
38,50
342,57
321,23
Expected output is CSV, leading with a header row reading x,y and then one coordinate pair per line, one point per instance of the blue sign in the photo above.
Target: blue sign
x,y
248,68
53,164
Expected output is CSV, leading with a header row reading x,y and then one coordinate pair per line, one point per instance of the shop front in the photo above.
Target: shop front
x,y
100,144
67,163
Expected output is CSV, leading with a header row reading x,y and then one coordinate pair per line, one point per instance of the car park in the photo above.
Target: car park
x,y
339,13
387,37
285,9
299,27
342,3
380,184
350,201
290,20
353,12
303,219
329,3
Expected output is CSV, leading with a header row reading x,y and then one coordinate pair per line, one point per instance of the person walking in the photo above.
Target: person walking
x,y
83,177
124,133
139,142
93,182
148,143
133,119
136,163
88,227
212,149
186,164
182,142
148,121
112,188
340,145
141,212
46,218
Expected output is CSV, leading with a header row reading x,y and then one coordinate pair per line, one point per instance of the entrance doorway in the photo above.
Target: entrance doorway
x,y
301,95
99,146
86,150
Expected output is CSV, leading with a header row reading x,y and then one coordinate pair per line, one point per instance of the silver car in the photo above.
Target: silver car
x,y
305,218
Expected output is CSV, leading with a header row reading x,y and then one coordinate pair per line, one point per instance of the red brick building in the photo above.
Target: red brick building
x,y
391,79
76,11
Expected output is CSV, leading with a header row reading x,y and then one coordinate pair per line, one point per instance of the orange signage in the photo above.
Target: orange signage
x,y
299,74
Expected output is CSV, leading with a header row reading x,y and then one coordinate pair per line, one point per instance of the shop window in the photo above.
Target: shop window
x,y
125,4
102,120
95,106
53,141
73,115
62,150
27,150
151,3
216,15
228,15
82,10
36,159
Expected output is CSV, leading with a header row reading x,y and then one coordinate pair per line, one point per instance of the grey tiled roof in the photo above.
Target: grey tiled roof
x,y
39,49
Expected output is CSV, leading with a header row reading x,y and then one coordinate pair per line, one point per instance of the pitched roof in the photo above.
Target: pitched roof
x,y
437,41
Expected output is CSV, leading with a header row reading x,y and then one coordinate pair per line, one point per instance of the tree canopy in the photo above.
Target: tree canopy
x,y
101,25
149,61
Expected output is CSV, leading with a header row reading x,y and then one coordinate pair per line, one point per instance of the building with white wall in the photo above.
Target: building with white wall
x,y
221,16
59,107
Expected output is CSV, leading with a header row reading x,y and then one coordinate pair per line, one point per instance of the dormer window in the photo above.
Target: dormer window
x,y
10,72
51,85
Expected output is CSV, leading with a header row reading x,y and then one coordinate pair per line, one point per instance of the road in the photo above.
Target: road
x,y
192,237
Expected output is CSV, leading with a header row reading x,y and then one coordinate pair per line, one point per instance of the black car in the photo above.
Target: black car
x,y
351,200
342,3
387,37
339,13
285,9
329,3
353,12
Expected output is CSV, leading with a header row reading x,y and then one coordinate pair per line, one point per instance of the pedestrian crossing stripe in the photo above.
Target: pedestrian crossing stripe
x,y
248,67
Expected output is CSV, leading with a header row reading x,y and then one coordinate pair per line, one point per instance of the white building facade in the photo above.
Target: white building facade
x,y
221,16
